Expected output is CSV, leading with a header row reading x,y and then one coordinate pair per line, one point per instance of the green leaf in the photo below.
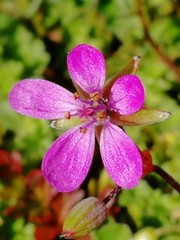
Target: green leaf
x,y
114,231
148,206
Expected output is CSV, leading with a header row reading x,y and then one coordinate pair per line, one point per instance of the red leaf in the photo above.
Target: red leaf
x,y
10,164
47,232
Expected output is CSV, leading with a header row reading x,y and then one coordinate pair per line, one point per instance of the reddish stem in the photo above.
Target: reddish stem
x,y
168,61
167,178
112,194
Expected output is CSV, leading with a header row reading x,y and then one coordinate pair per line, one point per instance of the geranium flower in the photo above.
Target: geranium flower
x,y
68,160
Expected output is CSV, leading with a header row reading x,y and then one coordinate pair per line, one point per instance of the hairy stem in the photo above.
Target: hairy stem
x,y
168,61
167,178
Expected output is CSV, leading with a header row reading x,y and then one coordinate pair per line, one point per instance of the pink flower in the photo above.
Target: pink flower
x,y
68,160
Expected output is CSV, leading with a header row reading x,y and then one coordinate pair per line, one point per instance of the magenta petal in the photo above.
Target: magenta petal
x,y
120,156
68,160
87,68
127,95
42,99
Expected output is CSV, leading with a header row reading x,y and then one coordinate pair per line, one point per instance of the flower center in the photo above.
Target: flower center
x,y
94,109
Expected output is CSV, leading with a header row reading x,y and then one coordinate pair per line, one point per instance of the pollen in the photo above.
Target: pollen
x,y
75,95
83,120
83,130
101,115
95,96
67,115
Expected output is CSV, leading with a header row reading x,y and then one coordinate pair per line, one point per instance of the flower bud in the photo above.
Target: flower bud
x,y
84,217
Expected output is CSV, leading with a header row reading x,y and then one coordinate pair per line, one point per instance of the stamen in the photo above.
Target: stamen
x,y
76,95
100,116
83,119
95,96
67,115
83,130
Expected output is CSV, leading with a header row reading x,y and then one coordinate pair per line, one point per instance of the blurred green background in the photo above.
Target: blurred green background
x,y
35,37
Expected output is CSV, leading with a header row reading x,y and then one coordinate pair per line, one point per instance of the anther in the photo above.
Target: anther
x,y
75,95
83,119
100,116
67,115
83,130
95,96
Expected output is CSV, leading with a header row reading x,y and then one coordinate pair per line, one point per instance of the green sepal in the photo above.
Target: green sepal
x,y
145,116
131,68
64,124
